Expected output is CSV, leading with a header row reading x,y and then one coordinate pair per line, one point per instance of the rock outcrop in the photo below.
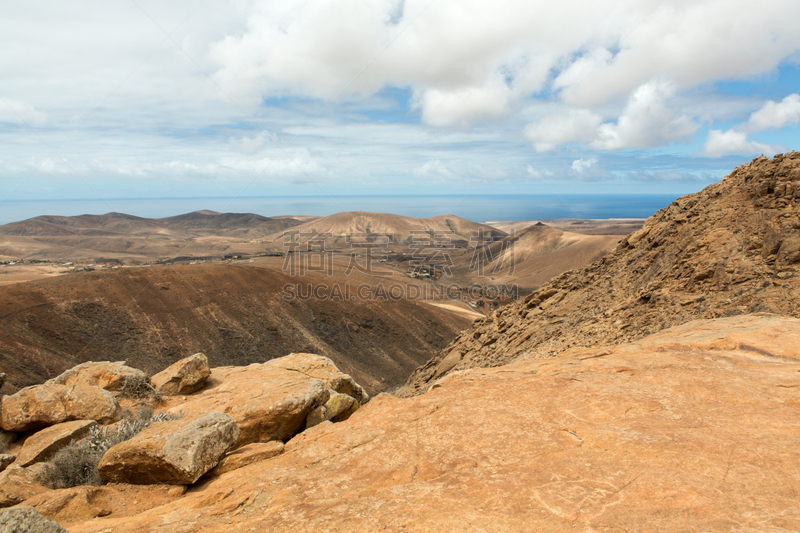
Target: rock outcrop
x,y
183,377
176,452
24,519
732,248
45,443
104,374
693,429
43,405
271,401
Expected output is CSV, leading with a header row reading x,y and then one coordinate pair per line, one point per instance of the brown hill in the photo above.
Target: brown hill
x,y
340,224
730,249
153,316
531,257
127,238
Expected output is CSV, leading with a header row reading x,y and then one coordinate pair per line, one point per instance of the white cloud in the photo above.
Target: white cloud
x,y
479,74
582,165
432,168
721,143
571,126
647,121
775,115
468,60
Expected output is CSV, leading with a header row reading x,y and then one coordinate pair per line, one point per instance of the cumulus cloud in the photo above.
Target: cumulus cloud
x,y
721,143
468,60
775,114
647,121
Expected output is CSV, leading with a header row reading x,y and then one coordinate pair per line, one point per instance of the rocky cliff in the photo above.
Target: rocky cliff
x,y
732,248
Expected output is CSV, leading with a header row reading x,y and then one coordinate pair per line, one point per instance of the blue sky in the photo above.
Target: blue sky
x,y
259,98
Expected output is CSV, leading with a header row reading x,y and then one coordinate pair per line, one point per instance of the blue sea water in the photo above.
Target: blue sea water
x,y
478,208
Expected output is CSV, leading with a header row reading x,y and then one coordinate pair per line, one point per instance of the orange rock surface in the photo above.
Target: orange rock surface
x,y
694,429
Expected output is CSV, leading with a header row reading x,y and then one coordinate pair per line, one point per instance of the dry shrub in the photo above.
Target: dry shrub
x,y
139,388
76,463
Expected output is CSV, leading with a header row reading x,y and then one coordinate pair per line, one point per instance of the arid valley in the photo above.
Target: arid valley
x,y
233,372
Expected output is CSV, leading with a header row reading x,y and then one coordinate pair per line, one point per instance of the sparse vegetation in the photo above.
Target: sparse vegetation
x,y
76,464
139,388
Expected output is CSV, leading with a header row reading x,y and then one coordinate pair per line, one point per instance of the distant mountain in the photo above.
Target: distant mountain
x,y
198,221
401,227
733,248
130,239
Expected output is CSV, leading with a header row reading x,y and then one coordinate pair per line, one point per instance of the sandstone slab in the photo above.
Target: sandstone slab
x,y
677,433
43,444
184,377
43,405
104,374
176,452
17,484
270,401
25,519
246,455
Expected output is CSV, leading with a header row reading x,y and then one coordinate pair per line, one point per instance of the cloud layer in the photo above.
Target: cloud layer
x,y
392,94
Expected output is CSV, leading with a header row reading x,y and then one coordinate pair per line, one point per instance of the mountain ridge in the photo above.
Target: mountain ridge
x,y
730,249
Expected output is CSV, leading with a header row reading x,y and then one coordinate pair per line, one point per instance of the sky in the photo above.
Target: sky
x,y
145,98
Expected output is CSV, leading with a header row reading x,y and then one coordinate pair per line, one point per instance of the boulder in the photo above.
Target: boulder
x,y
338,407
43,405
176,452
270,401
17,484
103,374
25,519
6,460
246,455
319,367
184,377
6,438
42,445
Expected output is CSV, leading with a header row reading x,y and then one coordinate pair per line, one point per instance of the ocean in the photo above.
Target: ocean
x,y
478,208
